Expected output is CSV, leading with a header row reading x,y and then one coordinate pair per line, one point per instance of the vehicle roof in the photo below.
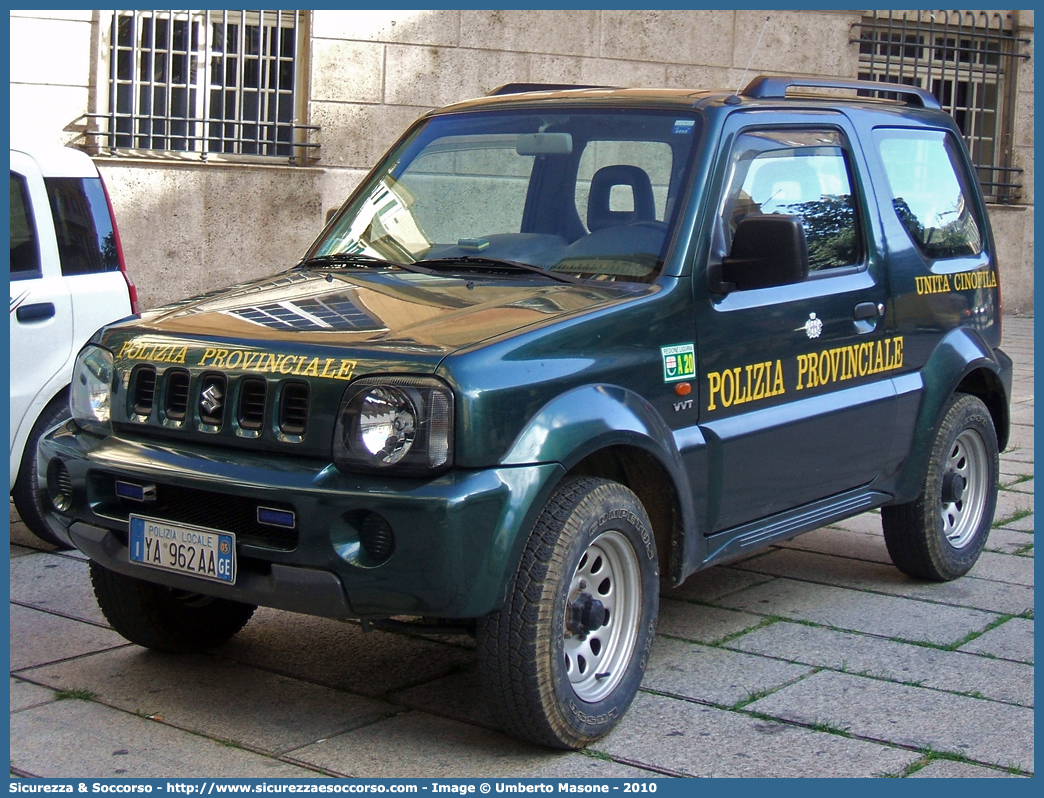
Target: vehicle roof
x,y
761,92
56,161
609,96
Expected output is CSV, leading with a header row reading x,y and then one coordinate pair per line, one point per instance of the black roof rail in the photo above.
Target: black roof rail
x,y
518,88
767,87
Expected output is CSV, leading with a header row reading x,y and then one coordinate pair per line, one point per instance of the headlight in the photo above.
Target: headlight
x,y
91,390
400,423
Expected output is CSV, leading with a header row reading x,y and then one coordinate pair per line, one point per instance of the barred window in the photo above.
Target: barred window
x,y
207,82
967,60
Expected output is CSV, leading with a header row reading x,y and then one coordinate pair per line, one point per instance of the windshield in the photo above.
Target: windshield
x,y
589,194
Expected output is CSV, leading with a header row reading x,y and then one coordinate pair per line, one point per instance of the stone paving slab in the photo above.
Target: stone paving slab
x,y
1022,413
1023,524
714,675
86,739
843,543
714,583
886,616
1009,541
458,696
1011,469
25,695
1025,486
866,524
272,712
984,731
1010,505
1003,568
990,596
20,551
1011,640
696,740
1020,448
339,654
40,637
416,745
57,584
948,769
954,671
701,623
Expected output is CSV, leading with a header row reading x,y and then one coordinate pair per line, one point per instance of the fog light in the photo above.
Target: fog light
x,y
59,486
375,534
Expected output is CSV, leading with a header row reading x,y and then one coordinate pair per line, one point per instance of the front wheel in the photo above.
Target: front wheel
x,y
940,534
564,657
30,491
163,618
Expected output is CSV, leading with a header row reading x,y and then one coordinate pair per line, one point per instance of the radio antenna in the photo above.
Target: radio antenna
x,y
750,60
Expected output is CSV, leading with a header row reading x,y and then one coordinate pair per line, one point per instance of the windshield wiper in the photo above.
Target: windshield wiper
x,y
480,262
357,259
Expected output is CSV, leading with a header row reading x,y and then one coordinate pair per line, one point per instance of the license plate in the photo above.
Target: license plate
x,y
183,549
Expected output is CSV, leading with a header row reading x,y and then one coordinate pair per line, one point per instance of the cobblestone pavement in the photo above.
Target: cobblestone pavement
x,y
814,658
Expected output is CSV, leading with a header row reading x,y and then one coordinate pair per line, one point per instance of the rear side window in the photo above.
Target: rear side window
x,y
82,225
929,191
25,254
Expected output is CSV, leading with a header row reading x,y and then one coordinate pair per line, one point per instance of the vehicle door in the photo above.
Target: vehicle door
x,y
41,308
796,404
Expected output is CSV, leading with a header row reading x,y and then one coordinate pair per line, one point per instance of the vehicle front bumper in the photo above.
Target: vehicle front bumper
x,y
457,537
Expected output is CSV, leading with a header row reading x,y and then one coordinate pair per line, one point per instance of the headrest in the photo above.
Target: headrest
x,y
605,179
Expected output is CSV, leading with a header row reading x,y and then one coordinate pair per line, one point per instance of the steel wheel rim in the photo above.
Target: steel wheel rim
x,y
608,571
961,518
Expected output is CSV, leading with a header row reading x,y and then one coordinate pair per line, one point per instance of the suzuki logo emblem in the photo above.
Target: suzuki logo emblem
x,y
210,399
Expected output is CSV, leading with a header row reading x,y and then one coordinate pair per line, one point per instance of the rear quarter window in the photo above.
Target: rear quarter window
x,y
929,191
25,254
82,225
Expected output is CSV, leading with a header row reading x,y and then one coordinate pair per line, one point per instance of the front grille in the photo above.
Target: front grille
x,y
233,408
144,390
177,393
293,408
252,393
203,508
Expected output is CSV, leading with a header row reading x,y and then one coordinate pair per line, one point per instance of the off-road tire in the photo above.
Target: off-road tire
x,y
165,619
531,660
934,537
29,492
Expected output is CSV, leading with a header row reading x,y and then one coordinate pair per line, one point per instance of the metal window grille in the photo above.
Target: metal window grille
x,y
967,59
206,82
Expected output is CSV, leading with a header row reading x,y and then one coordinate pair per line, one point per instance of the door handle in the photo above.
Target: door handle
x,y
35,312
864,311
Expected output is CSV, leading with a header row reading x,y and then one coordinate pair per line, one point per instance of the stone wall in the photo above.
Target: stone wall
x,y
374,72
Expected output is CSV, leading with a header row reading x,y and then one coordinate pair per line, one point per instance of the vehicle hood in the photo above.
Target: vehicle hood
x,y
412,320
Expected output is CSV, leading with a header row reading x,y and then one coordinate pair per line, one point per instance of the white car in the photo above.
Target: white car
x,y
68,278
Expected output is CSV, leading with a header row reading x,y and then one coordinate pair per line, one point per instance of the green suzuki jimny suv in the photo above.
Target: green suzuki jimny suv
x,y
559,347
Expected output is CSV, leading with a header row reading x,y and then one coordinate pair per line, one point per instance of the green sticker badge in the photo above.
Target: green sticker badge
x,y
679,362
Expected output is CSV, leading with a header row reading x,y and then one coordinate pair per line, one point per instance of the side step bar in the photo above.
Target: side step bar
x,y
740,541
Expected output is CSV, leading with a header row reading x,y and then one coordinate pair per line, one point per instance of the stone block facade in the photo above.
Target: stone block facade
x,y
189,226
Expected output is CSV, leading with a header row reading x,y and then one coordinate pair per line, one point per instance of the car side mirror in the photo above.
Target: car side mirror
x,y
766,251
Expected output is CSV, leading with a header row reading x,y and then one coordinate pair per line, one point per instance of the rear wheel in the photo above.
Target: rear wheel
x,y
940,535
564,657
165,619
29,491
